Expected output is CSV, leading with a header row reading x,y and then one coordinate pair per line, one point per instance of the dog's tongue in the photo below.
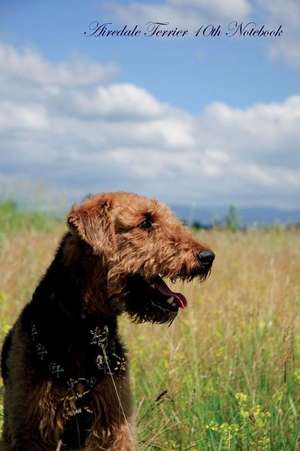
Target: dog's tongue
x,y
163,288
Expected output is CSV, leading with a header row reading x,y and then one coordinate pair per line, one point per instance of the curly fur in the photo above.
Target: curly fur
x,y
117,244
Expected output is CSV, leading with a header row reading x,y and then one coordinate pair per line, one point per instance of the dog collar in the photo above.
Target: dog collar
x,y
107,360
105,357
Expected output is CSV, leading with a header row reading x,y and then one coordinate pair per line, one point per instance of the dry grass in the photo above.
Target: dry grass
x,y
227,372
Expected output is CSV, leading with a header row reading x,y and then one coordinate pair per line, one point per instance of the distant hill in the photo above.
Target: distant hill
x,y
248,216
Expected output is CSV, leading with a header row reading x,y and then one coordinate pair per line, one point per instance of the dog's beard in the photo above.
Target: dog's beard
x,y
151,300
146,303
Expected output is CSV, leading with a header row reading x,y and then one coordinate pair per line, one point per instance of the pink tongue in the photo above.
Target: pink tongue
x,y
161,286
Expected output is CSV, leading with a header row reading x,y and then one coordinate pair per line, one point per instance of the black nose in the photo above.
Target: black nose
x,y
206,257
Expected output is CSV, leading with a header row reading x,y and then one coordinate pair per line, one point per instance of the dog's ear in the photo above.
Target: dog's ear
x,y
92,221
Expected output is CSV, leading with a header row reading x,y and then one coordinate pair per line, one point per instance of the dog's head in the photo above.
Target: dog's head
x,y
140,242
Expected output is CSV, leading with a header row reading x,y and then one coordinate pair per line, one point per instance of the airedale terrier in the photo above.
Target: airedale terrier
x,y
64,367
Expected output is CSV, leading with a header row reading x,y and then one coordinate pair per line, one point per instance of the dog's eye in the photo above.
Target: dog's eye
x,y
146,223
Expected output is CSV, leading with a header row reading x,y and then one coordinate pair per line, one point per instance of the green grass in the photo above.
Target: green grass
x,y
13,220
226,374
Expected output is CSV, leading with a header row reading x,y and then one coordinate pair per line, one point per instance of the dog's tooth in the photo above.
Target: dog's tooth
x,y
170,300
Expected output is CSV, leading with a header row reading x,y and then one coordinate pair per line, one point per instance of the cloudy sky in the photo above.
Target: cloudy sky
x,y
195,120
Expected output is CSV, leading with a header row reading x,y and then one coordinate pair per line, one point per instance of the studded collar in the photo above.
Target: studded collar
x,y
107,354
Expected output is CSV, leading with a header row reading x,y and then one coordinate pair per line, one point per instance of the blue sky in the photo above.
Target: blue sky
x,y
208,121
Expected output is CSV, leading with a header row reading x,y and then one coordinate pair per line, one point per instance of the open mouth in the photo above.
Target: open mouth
x,y
163,294
152,300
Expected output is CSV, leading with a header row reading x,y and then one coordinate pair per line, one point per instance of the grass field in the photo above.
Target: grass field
x,y
226,374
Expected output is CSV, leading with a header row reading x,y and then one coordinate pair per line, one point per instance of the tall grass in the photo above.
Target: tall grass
x,y
12,219
226,374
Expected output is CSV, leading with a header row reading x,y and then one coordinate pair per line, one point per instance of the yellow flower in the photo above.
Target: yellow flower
x,y
297,375
241,397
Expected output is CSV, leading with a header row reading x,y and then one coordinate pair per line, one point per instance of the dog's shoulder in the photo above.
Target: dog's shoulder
x,y
16,340
5,353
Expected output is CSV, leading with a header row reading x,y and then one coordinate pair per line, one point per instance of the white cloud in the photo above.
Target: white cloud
x,y
13,115
118,100
272,125
181,12
287,14
29,65
95,137
288,50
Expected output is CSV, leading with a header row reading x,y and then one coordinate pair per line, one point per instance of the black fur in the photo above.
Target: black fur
x,y
4,355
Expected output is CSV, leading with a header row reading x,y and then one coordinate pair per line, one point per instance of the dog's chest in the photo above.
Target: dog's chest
x,y
72,368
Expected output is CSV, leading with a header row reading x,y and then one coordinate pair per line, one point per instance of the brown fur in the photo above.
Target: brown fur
x,y
101,268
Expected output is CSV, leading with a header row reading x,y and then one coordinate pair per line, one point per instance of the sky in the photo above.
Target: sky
x,y
203,121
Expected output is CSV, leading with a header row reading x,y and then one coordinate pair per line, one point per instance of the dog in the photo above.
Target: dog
x,y
64,367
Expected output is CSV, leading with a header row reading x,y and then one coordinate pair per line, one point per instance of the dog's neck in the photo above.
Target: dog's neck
x,y
75,282
60,305
59,318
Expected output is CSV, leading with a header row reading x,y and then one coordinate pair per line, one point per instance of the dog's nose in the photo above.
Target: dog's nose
x,y
206,257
